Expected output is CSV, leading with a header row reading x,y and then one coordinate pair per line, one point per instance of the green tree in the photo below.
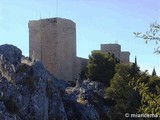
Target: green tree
x,y
154,72
150,93
153,34
154,81
149,86
126,99
82,74
100,67
134,71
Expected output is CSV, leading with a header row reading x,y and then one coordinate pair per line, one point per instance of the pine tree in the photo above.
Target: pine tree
x,y
134,69
154,72
135,60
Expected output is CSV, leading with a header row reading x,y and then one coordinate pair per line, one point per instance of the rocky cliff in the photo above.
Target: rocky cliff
x,y
29,92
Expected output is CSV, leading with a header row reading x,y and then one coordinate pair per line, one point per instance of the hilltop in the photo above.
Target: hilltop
x,y
29,92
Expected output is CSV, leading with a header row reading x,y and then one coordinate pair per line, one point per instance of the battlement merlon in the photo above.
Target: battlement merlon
x,y
56,20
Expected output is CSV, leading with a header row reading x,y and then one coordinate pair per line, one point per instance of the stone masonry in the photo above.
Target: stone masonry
x,y
115,49
53,41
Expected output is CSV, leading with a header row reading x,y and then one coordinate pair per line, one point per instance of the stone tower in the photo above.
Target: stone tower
x,y
53,41
112,49
115,49
124,56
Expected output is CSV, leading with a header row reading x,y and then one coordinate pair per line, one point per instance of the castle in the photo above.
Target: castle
x,y
53,41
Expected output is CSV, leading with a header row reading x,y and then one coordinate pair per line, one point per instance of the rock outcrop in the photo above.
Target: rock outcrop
x,y
29,92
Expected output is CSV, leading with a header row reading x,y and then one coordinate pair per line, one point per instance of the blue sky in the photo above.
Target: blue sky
x,y
97,22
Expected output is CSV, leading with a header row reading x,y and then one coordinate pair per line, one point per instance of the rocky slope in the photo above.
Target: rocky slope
x,y
29,92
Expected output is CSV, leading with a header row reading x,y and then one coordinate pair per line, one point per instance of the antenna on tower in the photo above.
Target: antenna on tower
x,y
40,15
57,8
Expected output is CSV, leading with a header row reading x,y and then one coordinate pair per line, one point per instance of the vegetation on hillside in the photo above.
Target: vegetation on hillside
x,y
100,67
128,90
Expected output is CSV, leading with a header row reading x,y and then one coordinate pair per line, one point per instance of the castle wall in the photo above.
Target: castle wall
x,y
112,49
81,65
54,43
35,39
124,57
115,49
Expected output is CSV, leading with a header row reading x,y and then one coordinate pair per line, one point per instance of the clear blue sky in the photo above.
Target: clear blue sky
x,y
97,22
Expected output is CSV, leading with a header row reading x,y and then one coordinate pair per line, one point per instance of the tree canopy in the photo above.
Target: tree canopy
x,y
100,67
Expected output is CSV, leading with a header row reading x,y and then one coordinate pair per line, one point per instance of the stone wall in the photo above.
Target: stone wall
x,y
115,49
35,39
112,49
53,41
81,64
124,57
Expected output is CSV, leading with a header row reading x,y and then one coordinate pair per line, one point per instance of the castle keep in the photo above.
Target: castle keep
x,y
116,50
53,41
